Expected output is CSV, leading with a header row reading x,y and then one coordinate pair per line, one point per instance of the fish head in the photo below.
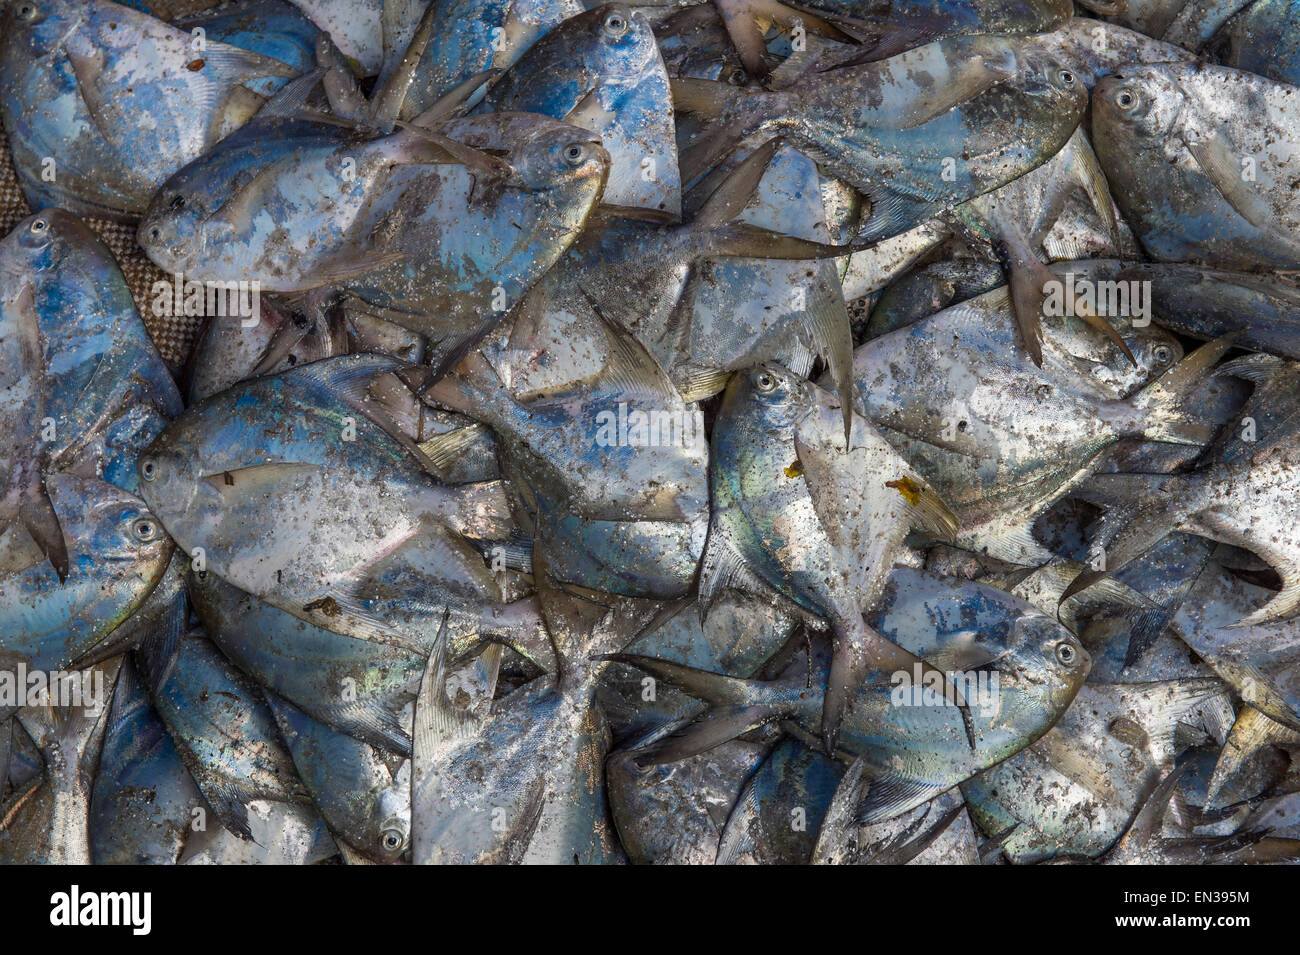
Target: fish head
x,y
1156,351
40,242
169,479
1042,651
1139,104
104,523
618,41
558,157
171,232
40,25
1050,80
770,393
393,822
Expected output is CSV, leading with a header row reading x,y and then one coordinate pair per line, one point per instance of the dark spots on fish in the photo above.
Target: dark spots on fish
x,y
326,605
194,65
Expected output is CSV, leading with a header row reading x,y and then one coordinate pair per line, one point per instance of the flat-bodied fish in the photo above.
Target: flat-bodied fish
x,y
1201,160
917,133
117,101
799,511
601,70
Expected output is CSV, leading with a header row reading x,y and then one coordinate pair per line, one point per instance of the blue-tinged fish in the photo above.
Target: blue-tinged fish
x,y
117,553
102,103
144,799
601,70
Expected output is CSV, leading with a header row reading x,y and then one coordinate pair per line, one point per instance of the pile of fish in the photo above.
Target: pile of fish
x,y
730,432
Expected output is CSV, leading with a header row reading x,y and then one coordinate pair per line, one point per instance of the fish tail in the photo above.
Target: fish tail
x,y
390,101
729,113
715,688
1160,413
69,737
1251,732
717,221
1154,504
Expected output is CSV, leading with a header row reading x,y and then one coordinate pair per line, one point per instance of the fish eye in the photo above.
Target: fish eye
x,y
26,11
1065,654
144,530
1126,99
575,154
39,227
766,382
1066,78
148,469
202,575
738,77
1162,354
392,839
155,233
615,25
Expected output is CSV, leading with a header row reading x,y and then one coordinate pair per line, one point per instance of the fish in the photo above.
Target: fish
x,y
937,833
1093,49
779,813
912,750
798,510
48,822
601,70
884,32
1208,303
1076,790
1235,498
1015,219
277,29
222,728
468,37
118,553
926,290
739,635
525,784
736,311
144,799
674,814
358,687
1257,660
282,834
227,352
1142,844
81,384
118,100
365,802
953,421
926,129
1261,38
336,446
1194,187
